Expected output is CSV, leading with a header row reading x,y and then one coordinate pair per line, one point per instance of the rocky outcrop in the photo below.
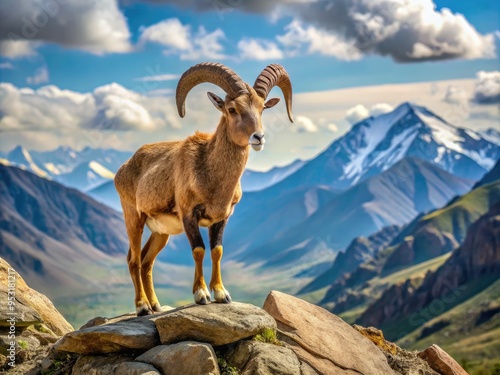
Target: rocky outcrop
x,y
360,250
477,259
425,244
322,340
441,361
288,337
29,322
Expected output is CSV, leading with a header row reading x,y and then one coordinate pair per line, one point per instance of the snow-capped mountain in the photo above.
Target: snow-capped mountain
x,y
492,135
377,143
83,170
86,176
21,157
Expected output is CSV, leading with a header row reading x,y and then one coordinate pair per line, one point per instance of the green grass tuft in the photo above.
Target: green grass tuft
x,y
268,336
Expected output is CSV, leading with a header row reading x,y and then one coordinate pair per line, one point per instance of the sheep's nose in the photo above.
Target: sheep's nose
x,y
258,135
257,141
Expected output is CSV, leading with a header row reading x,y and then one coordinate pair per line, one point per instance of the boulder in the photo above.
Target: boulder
x,y
98,365
135,368
215,323
441,361
120,336
254,357
187,357
31,307
322,340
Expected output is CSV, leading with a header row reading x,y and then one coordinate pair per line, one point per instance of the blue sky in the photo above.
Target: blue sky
x,y
82,71
81,46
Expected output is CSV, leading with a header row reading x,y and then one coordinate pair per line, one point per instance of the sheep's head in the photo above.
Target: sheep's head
x,y
243,105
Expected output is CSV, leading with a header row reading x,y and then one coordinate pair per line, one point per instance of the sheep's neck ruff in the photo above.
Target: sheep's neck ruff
x,y
226,160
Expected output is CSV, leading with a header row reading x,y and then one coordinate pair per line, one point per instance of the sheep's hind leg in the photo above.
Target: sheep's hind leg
x,y
200,290
215,232
155,244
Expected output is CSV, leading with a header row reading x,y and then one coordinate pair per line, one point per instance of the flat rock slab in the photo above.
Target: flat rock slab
x,y
126,335
215,323
187,357
441,361
323,340
254,357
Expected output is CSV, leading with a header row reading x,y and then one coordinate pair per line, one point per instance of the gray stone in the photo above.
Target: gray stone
x,y
125,335
254,357
98,365
135,368
215,323
187,357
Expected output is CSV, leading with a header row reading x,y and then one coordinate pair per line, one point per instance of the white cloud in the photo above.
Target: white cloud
x,y
96,26
169,33
487,87
380,108
258,49
304,124
41,76
356,114
109,107
309,39
16,49
360,112
332,127
157,78
179,39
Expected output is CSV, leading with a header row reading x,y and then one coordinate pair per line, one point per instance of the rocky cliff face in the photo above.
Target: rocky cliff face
x,y
29,323
477,260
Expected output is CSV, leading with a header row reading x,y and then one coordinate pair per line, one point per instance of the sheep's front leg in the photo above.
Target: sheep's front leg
x,y
200,290
215,233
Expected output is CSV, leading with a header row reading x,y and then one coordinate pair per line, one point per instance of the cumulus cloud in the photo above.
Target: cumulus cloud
x,y
180,39
109,107
487,87
406,30
257,49
380,109
356,114
304,124
300,39
41,76
360,112
96,26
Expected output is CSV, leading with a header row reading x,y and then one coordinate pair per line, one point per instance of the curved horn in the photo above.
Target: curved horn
x,y
275,75
215,73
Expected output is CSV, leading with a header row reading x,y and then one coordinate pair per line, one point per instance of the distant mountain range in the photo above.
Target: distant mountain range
x,y
394,197
377,143
61,239
427,237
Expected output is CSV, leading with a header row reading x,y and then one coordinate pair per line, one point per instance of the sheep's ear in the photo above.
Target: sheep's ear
x,y
271,102
216,101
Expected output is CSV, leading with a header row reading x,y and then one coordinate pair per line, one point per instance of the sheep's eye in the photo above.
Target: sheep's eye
x,y
232,110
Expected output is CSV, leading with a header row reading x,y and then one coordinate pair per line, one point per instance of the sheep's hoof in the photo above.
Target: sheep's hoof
x,y
222,296
157,308
202,296
143,310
